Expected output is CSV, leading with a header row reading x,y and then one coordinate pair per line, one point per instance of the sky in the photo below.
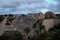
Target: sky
x,y
28,6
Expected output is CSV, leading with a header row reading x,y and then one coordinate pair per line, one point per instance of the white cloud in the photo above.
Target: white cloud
x,y
45,10
26,6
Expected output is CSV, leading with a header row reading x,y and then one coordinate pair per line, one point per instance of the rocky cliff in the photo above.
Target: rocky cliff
x,y
19,22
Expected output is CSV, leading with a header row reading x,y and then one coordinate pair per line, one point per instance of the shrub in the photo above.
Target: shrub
x,y
11,35
27,30
1,18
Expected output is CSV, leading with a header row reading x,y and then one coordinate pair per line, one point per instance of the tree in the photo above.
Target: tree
x,y
11,35
34,26
27,31
54,32
38,27
41,27
1,18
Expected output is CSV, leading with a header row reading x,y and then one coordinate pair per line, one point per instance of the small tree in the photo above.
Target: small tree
x,y
41,27
34,26
27,31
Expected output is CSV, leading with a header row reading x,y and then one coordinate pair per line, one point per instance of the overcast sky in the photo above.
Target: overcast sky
x,y
27,6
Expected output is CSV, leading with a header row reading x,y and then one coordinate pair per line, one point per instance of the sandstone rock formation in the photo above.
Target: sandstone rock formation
x,y
50,15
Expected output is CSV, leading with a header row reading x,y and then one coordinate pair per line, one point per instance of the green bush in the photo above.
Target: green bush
x,y
27,30
11,35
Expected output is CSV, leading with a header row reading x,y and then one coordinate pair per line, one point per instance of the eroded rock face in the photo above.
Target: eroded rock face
x,y
22,21
49,23
50,15
28,20
40,15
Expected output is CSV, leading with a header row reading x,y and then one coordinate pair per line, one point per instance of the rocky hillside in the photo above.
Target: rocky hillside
x,y
19,22
22,21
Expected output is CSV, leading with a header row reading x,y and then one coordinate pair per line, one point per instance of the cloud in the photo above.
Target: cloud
x,y
26,6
